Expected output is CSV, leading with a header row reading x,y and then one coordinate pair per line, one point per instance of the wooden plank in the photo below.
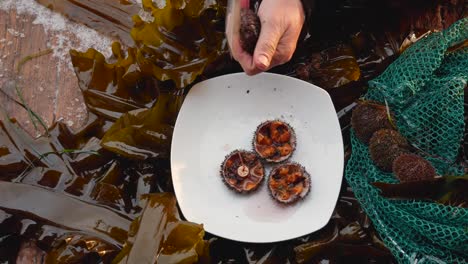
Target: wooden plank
x,y
48,83
109,17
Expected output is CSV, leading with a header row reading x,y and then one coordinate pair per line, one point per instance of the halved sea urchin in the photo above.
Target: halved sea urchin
x,y
368,117
411,167
289,183
274,141
242,171
385,146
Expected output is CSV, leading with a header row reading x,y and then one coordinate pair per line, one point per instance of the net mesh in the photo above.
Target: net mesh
x,y
424,87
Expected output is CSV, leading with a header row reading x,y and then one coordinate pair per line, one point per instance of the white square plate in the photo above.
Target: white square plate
x,y
220,115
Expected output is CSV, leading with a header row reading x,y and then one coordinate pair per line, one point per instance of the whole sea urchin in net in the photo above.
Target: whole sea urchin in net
x,y
368,117
385,146
411,167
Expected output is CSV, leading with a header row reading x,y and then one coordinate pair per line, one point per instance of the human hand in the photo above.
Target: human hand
x,y
281,25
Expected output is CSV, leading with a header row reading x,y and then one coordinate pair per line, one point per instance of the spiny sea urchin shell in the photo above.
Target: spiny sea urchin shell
x,y
249,30
411,167
385,146
289,183
242,171
368,117
274,141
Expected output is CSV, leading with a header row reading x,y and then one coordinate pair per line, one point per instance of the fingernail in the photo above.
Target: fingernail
x,y
263,61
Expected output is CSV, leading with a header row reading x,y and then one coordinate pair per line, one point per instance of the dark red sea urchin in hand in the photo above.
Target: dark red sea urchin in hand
x,y
249,30
411,167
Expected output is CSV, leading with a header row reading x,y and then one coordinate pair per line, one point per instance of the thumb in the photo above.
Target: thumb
x,y
266,45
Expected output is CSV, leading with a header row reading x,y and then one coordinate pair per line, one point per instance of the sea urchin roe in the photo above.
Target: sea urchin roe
x,y
274,141
288,183
411,167
242,171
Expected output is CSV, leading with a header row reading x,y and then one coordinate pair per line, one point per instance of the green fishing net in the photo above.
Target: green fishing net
x,y
424,87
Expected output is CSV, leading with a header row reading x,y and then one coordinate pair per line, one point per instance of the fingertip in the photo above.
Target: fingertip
x,y
262,62
250,69
249,72
246,62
